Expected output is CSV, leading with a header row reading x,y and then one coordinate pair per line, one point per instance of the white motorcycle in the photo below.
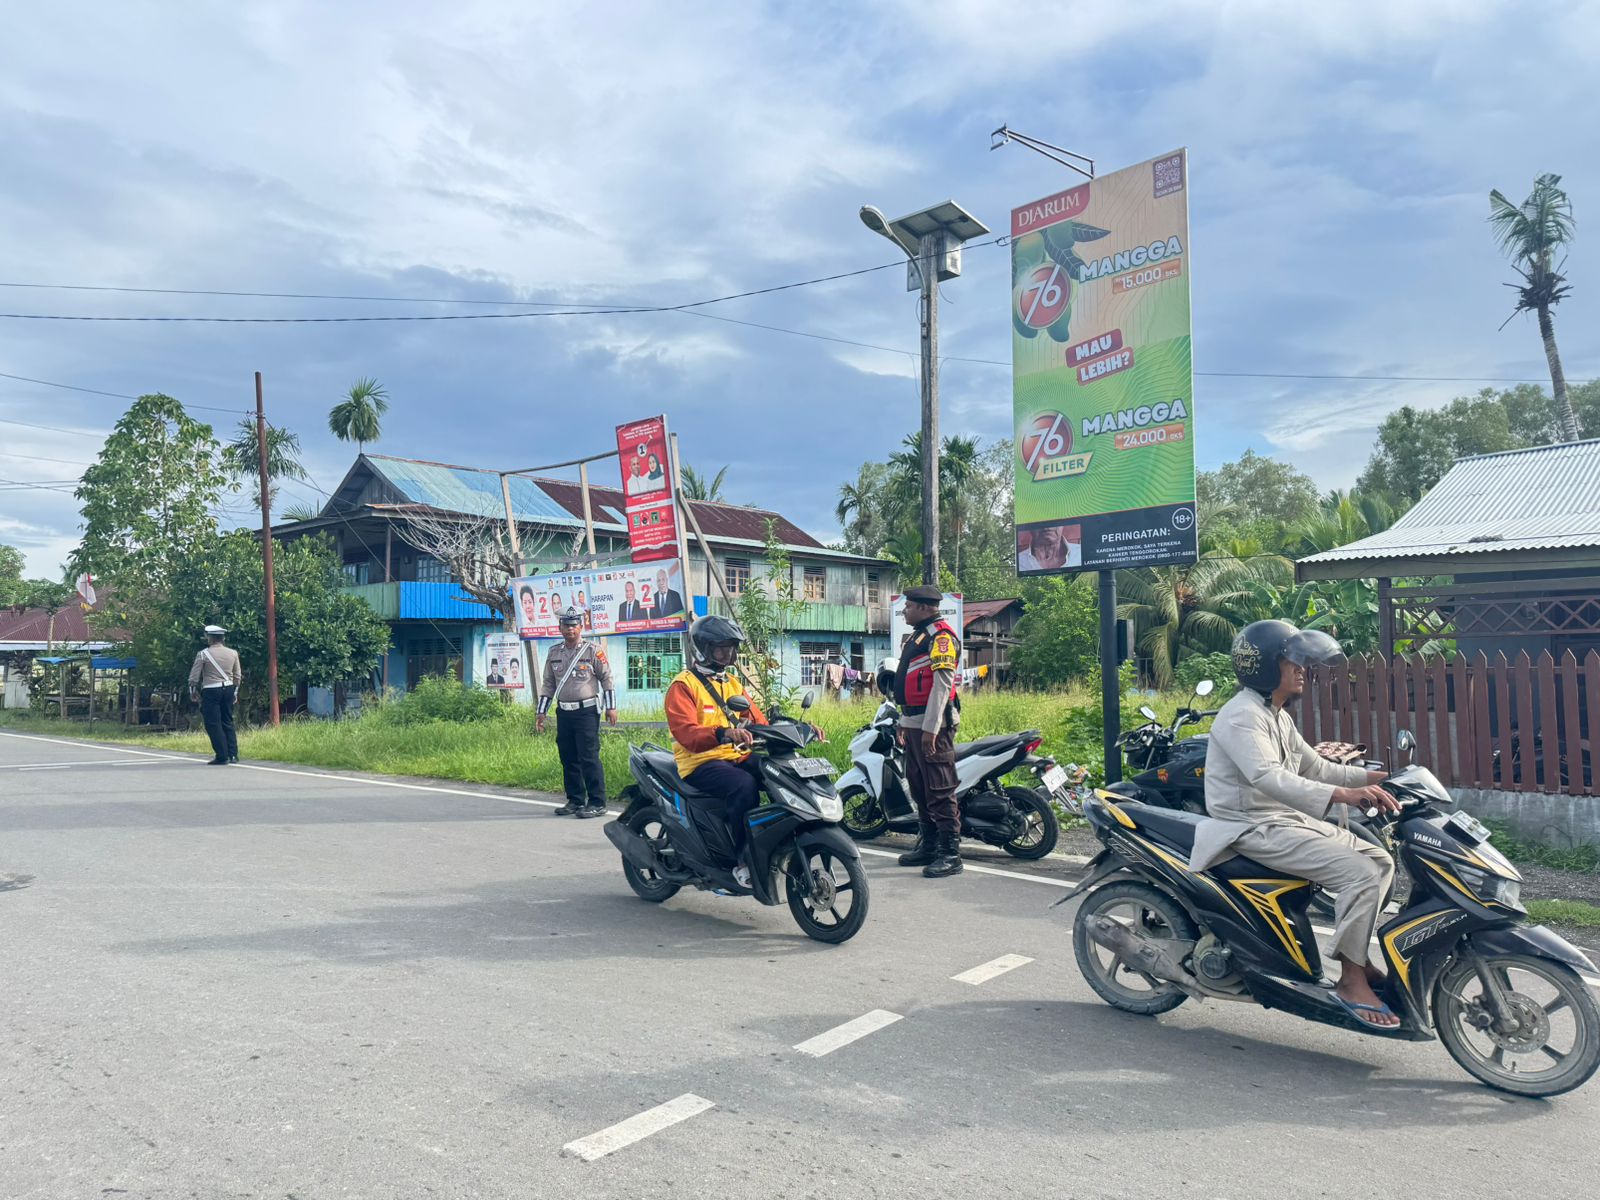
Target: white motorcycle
x,y
1019,820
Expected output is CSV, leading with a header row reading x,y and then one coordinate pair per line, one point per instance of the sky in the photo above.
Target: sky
x,y
646,153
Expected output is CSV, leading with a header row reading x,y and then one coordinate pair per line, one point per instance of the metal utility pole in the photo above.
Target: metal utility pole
x,y
931,239
931,247
266,553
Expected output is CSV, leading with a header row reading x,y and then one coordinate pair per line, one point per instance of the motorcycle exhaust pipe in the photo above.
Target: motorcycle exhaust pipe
x,y
1141,953
634,848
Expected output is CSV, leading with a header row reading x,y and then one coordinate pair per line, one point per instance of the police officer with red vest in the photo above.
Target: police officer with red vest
x,y
925,690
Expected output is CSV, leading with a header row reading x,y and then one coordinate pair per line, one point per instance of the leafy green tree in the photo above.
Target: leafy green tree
x,y
1253,498
358,417
325,635
1058,634
766,608
1417,446
697,487
241,459
1530,234
148,500
12,586
1192,609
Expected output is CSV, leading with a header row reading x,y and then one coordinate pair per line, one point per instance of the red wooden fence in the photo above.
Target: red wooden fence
x,y
1518,725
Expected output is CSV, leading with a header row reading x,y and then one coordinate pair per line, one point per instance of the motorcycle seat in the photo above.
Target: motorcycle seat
x,y
666,766
1171,826
993,744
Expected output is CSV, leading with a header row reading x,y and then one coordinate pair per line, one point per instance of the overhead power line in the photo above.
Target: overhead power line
x,y
72,387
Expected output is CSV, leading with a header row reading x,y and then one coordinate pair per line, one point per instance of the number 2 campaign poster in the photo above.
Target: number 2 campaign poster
x,y
1102,373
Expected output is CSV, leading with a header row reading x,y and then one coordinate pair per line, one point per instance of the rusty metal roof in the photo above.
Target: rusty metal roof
x,y
1545,498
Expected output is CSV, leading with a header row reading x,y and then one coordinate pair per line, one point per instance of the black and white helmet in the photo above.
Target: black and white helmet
x,y
709,632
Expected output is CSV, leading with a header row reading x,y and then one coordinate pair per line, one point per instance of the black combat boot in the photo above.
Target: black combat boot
x,y
926,849
947,858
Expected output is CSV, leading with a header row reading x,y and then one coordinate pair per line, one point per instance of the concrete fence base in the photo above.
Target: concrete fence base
x,y
1563,821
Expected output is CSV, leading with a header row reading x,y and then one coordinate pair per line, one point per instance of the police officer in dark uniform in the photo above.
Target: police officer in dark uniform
x,y
925,690
577,680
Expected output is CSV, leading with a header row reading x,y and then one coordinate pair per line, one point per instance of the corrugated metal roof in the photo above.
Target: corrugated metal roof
x,y
467,490
1543,498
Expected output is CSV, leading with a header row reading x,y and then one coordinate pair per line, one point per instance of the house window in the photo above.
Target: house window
x,y
816,584
433,656
736,571
358,572
652,662
814,656
431,570
874,590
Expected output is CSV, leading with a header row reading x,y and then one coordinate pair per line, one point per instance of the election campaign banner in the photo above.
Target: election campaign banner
x,y
621,599
503,651
1103,382
647,490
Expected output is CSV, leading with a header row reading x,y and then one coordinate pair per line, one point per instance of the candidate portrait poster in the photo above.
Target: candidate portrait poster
x,y
627,598
647,492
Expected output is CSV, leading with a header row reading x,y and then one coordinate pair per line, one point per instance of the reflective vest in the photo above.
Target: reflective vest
x,y
932,648
711,717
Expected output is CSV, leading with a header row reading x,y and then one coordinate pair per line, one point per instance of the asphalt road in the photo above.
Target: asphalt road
x,y
268,982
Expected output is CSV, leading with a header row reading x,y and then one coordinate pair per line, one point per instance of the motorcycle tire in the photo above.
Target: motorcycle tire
x,y
864,817
822,864
1157,915
1470,1046
1044,828
647,885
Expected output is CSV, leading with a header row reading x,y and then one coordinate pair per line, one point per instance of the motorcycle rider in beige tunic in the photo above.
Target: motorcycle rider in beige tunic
x,y
1268,794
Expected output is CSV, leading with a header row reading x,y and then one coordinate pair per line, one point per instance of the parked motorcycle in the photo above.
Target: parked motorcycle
x,y
1168,771
669,835
1019,820
1506,999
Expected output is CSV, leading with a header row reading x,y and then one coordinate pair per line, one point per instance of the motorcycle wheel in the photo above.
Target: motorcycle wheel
x,y
1558,1033
1043,829
864,817
647,885
836,908
1148,912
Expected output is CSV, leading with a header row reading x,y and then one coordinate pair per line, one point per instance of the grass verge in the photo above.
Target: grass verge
x,y
1519,850
1564,912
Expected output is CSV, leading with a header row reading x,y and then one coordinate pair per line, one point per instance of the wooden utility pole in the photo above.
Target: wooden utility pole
x,y
266,554
931,249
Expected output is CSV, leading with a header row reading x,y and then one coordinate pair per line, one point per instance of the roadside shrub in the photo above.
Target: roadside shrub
x,y
436,698
1216,667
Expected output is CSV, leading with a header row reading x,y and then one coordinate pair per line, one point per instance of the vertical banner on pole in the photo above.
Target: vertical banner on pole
x,y
1103,382
647,490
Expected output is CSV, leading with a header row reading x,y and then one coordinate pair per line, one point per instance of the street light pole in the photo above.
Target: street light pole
x,y
931,239
931,248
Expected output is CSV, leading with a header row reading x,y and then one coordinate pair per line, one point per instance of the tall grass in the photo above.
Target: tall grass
x,y
439,737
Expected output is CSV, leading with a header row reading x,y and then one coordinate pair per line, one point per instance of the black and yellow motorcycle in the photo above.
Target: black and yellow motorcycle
x,y
1507,999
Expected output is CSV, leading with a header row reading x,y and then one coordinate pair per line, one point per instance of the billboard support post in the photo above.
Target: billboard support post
x,y
1110,676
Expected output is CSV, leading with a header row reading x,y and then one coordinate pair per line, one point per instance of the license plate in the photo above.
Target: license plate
x,y
1469,827
811,768
1055,779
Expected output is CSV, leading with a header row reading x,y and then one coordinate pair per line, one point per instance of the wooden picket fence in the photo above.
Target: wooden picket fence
x,y
1519,725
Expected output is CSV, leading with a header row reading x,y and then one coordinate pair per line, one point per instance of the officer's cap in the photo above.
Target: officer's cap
x,y
925,593
214,631
571,617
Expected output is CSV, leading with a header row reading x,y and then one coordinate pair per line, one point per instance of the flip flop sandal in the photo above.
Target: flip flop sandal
x,y
1355,1010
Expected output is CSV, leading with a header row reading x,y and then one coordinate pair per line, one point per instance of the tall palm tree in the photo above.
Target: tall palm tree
x,y
858,509
958,463
356,418
695,486
1529,235
241,457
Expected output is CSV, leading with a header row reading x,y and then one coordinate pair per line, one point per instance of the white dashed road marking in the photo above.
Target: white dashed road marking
x,y
850,1031
989,970
634,1129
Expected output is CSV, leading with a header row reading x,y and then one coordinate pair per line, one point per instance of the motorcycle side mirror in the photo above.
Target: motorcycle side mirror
x,y
1404,744
739,704
1148,713
810,699
1204,688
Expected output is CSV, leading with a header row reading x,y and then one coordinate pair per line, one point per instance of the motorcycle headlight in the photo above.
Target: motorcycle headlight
x,y
1496,889
830,806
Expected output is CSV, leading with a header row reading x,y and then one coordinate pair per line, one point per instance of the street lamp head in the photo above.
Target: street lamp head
x,y
874,220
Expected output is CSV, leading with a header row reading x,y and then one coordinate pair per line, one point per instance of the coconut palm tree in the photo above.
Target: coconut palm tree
x,y
696,487
241,458
1191,609
958,463
859,508
1530,234
356,418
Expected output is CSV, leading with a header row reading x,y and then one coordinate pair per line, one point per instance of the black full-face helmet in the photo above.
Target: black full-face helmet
x,y
1261,645
887,670
709,632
